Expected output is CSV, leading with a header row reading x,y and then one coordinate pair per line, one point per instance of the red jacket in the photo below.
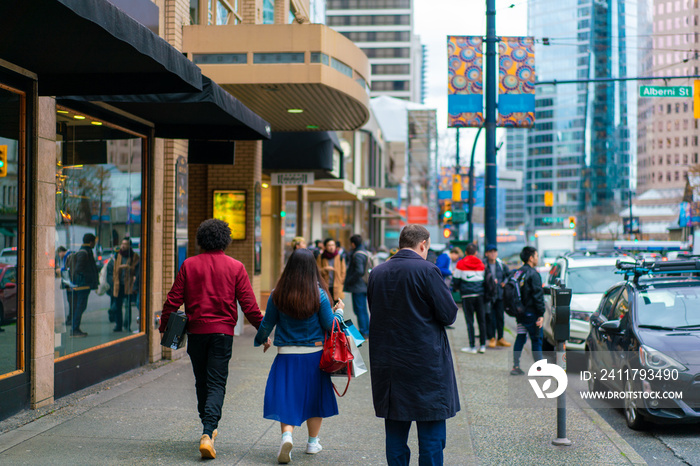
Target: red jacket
x,y
210,284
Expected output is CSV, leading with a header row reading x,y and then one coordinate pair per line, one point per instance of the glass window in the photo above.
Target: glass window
x,y
622,306
609,302
318,57
342,67
99,196
260,58
591,279
220,58
11,148
268,11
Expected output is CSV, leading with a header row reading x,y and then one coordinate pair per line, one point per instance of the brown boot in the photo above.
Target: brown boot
x,y
502,342
206,447
492,343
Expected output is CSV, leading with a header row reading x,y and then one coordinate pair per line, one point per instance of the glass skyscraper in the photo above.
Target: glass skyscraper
x,y
583,145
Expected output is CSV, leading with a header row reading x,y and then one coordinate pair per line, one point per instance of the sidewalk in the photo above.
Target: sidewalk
x,y
149,416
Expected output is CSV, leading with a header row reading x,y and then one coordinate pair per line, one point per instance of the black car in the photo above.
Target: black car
x,y
645,342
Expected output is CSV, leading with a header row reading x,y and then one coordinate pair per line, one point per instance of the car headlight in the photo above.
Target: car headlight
x,y
655,359
581,315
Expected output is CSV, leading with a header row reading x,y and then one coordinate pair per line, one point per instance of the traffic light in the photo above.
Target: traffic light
x,y
696,98
456,188
548,198
572,222
447,232
447,214
3,160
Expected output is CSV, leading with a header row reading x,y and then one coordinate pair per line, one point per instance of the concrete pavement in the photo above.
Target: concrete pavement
x,y
149,416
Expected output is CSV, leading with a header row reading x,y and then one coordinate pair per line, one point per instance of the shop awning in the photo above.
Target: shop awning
x,y
211,114
79,47
319,152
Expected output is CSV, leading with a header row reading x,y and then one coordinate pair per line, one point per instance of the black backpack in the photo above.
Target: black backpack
x,y
512,300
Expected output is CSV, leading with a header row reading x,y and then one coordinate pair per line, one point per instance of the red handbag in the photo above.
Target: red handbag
x,y
336,353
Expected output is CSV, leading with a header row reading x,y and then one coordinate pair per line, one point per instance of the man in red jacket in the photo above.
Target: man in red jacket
x,y
210,285
468,279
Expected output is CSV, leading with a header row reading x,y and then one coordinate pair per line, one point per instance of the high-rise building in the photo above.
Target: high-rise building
x,y
668,134
383,29
580,148
516,158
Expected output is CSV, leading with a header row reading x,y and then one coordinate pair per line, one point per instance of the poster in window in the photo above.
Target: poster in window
x,y
230,206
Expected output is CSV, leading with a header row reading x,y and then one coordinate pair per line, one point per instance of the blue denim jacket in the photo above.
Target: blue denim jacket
x,y
297,332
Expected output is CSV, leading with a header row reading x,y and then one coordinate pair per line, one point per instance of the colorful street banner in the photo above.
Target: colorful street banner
x,y
465,100
689,214
516,99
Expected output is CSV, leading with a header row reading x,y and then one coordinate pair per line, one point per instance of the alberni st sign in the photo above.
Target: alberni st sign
x,y
665,91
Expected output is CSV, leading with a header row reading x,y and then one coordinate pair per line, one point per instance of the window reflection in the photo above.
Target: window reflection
x,y
98,232
10,115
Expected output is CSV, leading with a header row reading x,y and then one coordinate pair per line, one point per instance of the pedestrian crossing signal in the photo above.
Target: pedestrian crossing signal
x,y
446,233
3,160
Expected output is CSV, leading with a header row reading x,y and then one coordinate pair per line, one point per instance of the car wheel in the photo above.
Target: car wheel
x,y
593,384
635,420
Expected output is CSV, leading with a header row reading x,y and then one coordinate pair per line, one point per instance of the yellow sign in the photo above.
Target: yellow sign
x,y
696,98
548,198
230,207
456,188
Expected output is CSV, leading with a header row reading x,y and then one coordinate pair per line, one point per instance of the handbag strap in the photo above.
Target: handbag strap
x,y
347,385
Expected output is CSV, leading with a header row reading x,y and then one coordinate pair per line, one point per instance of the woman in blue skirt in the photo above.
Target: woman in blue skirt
x,y
297,390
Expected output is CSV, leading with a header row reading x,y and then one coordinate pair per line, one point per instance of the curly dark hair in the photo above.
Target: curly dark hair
x,y
213,234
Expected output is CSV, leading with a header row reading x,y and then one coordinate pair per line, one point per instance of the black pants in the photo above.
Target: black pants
x,y
210,355
474,305
494,319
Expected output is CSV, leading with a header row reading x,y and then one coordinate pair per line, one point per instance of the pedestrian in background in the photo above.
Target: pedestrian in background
x,y
210,285
121,271
358,263
468,279
317,248
413,375
496,273
298,242
297,390
332,268
443,263
83,277
532,296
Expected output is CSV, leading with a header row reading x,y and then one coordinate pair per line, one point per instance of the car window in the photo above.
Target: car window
x,y
669,307
554,274
9,277
591,279
622,306
608,302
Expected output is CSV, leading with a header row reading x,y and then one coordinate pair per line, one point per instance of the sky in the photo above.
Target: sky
x,y
434,20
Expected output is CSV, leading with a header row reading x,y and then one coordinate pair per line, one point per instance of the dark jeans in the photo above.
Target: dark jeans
x,y
359,304
494,319
474,305
77,303
431,442
125,319
535,333
210,354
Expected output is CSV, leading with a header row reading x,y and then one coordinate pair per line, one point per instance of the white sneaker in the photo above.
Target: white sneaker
x,y
482,349
470,350
313,448
285,454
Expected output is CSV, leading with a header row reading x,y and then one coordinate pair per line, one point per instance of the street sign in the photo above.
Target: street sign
x,y
279,179
665,91
459,216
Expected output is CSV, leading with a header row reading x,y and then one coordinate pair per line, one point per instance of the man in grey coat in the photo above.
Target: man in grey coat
x,y
410,359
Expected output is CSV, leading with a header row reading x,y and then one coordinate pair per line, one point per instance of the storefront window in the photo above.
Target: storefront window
x,y
10,153
337,219
98,232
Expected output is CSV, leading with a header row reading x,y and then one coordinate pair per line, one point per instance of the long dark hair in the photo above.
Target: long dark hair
x,y
296,293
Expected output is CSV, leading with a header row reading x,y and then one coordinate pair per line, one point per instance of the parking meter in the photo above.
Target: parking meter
x,y
561,311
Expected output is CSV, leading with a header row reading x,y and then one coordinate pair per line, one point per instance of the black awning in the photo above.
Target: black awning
x,y
79,47
302,151
212,114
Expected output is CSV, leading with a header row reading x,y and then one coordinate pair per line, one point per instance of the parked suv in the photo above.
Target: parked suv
x,y
589,275
644,340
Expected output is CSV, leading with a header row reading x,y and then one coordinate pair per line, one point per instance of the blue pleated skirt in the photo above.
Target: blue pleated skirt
x,y
298,390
